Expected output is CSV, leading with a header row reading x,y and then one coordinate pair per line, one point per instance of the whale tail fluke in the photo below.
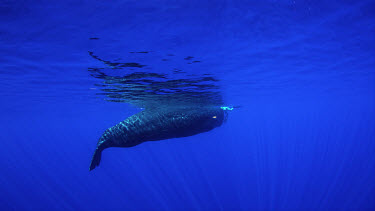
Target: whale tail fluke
x,y
96,158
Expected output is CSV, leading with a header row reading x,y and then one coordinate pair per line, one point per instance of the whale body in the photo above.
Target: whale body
x,y
158,124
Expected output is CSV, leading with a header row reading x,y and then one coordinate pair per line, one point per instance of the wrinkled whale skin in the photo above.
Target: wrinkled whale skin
x,y
158,124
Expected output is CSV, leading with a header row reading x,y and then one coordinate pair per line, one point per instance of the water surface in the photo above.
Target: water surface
x,y
301,73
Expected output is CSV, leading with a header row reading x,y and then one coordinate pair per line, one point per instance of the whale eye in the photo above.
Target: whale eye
x,y
214,117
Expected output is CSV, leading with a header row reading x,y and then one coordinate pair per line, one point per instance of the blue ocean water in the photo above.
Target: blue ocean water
x,y
300,73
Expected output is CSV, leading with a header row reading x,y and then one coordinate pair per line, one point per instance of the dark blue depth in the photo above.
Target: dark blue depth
x,y
302,74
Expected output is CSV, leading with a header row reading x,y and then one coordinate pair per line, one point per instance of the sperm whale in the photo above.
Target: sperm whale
x,y
158,124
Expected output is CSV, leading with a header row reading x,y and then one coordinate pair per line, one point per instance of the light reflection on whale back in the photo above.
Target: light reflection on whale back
x,y
120,83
